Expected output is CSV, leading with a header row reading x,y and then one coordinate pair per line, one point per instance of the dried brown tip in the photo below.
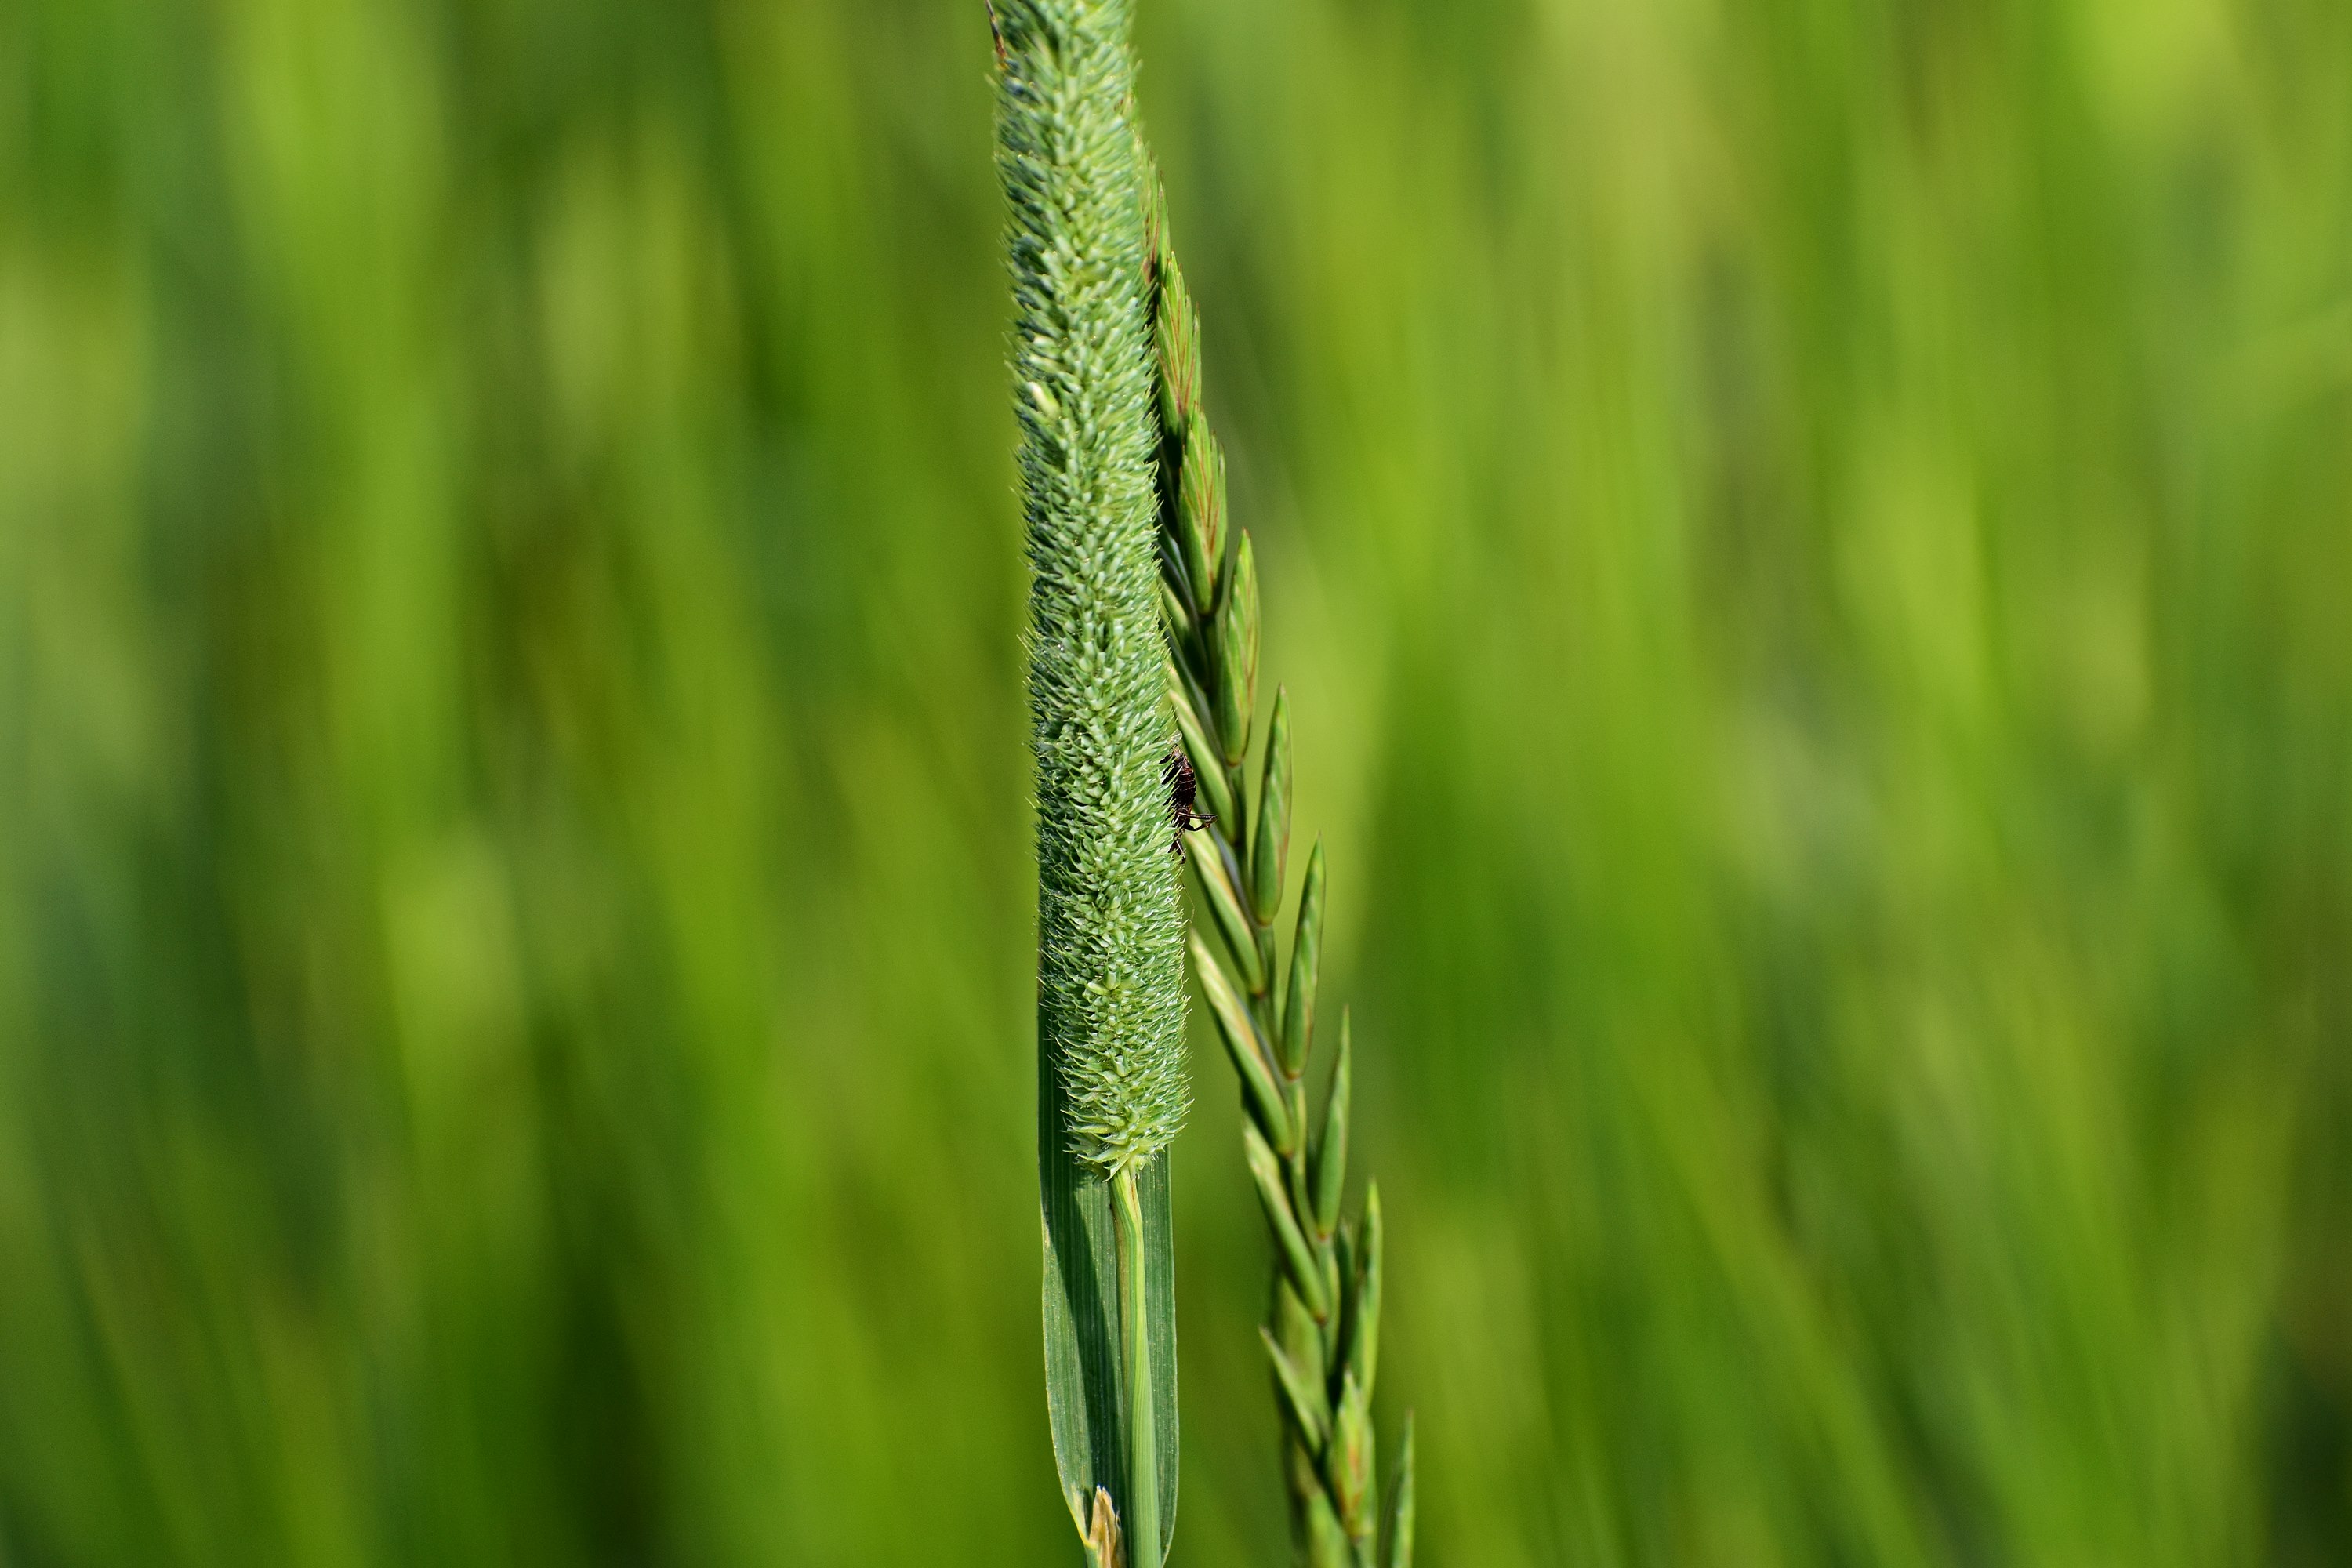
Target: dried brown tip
x,y
1105,1546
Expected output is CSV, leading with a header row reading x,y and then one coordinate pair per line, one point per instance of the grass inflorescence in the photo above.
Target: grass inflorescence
x,y
1110,1011
1323,1341
1110,930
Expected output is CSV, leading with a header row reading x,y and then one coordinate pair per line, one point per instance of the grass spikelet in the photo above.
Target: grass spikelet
x,y
1323,1342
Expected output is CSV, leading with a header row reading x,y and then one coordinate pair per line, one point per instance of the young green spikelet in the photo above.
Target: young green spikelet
x,y
1111,930
1322,1346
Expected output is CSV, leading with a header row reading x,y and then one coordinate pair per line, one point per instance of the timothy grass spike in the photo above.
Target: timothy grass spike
x,y
1110,997
1110,940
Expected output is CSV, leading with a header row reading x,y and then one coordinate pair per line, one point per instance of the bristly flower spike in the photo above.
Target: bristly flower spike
x,y
1110,996
1111,934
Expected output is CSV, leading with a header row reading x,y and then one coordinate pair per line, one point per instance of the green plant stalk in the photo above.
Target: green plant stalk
x,y
1322,1342
1142,1525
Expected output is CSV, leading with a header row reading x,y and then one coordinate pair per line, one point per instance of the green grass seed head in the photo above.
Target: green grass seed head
x,y
1110,960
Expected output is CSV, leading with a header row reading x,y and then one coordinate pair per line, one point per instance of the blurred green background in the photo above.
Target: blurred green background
x,y
1810,546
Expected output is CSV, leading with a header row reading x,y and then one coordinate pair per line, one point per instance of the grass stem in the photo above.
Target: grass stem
x,y
1135,1336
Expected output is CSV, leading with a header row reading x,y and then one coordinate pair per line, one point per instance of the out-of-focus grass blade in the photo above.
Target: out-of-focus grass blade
x,y
1400,1503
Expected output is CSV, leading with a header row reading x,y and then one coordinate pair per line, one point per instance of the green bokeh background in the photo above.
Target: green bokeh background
x,y
1811,549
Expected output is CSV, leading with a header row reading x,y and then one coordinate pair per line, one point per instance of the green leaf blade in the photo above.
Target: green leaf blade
x,y
1084,1404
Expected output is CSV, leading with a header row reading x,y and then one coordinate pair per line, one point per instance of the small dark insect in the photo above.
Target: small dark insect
x,y
1182,783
